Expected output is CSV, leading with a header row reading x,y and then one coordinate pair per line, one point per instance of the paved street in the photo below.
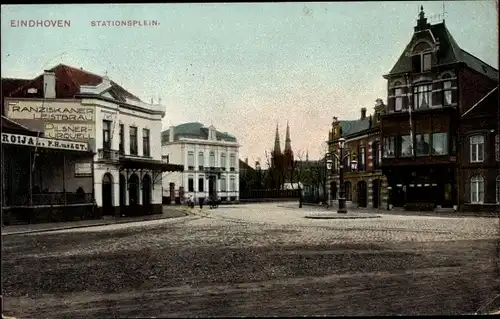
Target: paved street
x,y
254,260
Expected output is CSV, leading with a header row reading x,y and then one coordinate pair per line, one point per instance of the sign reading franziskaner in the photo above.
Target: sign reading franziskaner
x,y
43,142
58,111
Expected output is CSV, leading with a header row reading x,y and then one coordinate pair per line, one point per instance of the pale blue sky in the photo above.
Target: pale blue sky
x,y
244,66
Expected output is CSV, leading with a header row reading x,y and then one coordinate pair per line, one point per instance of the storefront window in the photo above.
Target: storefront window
x,y
389,146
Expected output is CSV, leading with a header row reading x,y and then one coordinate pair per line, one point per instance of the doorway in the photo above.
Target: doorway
x,y
146,192
133,190
376,193
333,190
123,191
362,198
107,194
212,186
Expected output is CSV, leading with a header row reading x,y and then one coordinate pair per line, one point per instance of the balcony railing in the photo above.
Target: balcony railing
x,y
50,199
106,154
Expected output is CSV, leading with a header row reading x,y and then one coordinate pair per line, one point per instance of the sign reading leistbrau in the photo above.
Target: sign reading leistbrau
x,y
58,111
43,142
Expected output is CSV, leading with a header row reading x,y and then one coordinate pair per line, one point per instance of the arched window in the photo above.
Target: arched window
x,y
347,190
477,189
498,189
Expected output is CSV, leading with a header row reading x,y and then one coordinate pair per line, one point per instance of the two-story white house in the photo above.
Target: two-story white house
x,y
210,161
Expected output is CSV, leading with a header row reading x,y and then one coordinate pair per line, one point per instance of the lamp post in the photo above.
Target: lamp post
x,y
259,184
329,169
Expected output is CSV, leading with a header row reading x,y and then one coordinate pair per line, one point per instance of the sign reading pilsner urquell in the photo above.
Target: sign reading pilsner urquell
x,y
17,139
65,119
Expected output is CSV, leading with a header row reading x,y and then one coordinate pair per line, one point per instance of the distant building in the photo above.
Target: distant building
x,y
365,185
210,160
281,162
426,136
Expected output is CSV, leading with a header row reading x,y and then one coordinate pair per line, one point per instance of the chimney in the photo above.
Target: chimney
x,y
49,84
171,134
363,113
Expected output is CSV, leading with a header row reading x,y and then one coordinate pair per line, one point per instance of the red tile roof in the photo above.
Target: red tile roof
x,y
68,82
8,85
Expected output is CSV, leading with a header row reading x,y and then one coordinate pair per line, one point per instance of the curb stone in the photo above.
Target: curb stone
x,y
46,230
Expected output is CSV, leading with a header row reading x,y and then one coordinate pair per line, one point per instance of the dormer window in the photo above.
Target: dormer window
x,y
421,57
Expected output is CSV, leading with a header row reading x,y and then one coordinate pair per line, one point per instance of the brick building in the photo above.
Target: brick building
x,y
365,185
430,86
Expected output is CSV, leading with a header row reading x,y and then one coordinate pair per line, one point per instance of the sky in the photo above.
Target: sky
x,y
244,67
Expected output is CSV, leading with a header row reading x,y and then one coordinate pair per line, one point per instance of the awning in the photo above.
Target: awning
x,y
138,163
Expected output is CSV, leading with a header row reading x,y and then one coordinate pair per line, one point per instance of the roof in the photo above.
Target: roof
x,y
245,167
68,82
449,52
489,100
195,130
352,127
10,126
9,85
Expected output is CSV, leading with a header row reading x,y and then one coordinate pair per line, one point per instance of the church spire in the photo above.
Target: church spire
x,y
288,141
277,147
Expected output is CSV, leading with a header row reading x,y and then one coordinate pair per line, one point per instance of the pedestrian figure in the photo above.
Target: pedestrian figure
x,y
201,200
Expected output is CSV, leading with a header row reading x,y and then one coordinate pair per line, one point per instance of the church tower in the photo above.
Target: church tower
x,y
288,153
276,154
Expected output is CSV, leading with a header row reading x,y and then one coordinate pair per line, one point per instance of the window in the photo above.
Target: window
x,y
122,139
106,134
232,162
422,96
498,189
146,151
212,159
190,160
201,160
447,93
427,61
389,146
200,184
223,162
347,190
476,148
362,159
439,143
232,185
133,140
223,184
376,155
497,147
477,189
191,184
423,145
405,146
398,96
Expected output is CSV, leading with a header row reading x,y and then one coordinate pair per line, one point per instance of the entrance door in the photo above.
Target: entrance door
x,y
212,186
146,192
123,190
362,194
133,190
333,190
107,194
376,193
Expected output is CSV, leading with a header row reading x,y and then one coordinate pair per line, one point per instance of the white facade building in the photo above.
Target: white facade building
x,y
74,105
210,159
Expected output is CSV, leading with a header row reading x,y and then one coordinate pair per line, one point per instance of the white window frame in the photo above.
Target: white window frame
x,y
476,189
223,160
201,155
474,142
398,99
190,159
223,184
232,161
212,158
232,184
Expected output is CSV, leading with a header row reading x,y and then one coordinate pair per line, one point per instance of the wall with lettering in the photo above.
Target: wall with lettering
x,y
65,119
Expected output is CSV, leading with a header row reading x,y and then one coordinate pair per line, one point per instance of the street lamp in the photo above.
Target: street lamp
x,y
329,163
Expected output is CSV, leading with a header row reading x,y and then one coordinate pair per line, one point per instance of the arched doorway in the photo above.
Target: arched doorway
x,y
107,194
333,190
133,190
362,194
376,193
146,192
123,191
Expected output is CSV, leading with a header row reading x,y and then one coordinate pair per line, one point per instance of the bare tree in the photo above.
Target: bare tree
x,y
297,172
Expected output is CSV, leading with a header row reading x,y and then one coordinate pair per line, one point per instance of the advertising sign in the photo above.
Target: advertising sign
x,y
69,131
53,111
33,141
